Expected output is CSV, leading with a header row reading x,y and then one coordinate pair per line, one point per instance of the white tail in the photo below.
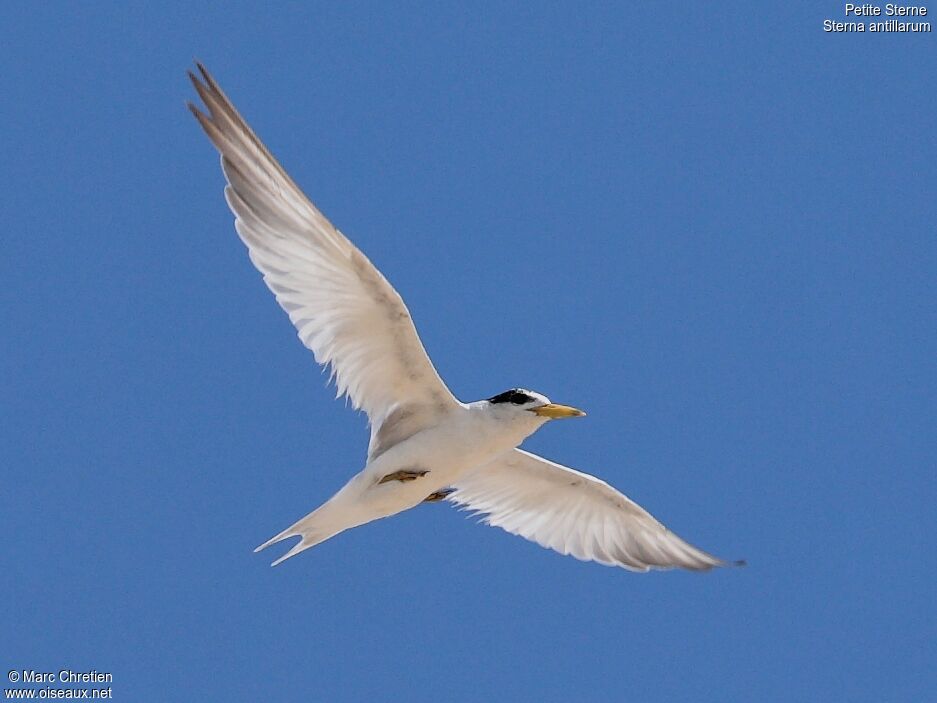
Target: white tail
x,y
322,523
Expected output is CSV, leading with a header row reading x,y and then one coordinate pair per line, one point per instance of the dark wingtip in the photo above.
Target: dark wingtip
x,y
740,562
206,75
202,118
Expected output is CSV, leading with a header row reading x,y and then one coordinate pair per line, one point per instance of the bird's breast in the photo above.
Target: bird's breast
x,y
449,449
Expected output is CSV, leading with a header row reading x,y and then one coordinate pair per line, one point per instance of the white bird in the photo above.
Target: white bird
x,y
425,444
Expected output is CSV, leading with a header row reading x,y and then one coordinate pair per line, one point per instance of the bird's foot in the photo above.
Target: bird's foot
x,y
438,495
403,476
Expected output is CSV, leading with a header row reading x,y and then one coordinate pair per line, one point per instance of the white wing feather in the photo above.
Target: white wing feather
x,y
573,513
344,310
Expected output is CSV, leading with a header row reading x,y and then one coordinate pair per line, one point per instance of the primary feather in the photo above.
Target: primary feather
x,y
343,308
573,513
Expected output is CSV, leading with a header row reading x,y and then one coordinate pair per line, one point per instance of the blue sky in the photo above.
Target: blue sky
x,y
712,228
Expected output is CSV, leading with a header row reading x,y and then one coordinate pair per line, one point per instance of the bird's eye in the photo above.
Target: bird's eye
x,y
520,398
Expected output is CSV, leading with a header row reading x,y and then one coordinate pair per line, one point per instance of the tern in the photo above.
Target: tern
x,y
426,445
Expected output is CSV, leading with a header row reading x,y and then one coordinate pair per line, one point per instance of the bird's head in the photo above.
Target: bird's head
x,y
519,402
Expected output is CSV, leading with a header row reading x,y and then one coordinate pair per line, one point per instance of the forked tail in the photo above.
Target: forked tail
x,y
322,523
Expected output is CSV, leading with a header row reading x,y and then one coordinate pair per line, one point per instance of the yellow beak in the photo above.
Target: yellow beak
x,y
555,411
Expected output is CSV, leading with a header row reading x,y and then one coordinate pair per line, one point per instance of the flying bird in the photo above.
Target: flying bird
x,y
426,445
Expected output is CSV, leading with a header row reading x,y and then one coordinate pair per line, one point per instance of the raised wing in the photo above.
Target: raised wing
x,y
344,310
573,513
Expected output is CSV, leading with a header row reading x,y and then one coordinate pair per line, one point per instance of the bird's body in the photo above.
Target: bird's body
x,y
464,437
425,444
